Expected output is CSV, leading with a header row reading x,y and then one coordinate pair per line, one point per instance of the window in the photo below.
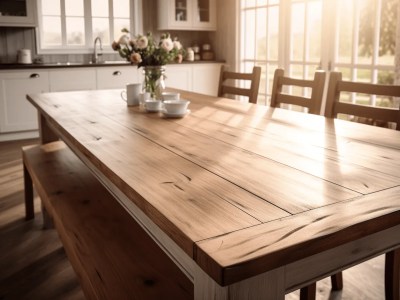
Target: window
x,y
70,26
356,37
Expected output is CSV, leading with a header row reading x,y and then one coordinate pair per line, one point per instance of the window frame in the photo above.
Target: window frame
x,y
329,47
135,27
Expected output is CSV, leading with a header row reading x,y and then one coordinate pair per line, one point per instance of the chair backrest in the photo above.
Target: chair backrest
x,y
317,86
253,77
335,107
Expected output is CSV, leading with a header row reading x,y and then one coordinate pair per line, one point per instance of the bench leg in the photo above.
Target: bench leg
x,y
47,219
28,188
337,281
308,292
392,275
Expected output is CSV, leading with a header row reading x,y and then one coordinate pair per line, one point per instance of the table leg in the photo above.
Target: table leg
x,y
266,286
46,134
28,188
392,275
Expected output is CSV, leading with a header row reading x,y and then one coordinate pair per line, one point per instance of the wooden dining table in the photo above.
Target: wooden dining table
x,y
251,202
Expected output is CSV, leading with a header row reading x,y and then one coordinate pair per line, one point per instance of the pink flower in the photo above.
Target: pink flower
x,y
124,40
177,45
136,58
115,46
167,44
142,42
179,58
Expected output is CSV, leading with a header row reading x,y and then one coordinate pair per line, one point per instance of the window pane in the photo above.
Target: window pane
x,y
75,31
119,24
121,8
100,8
74,8
51,31
261,47
345,28
51,7
101,29
387,42
297,31
273,33
366,31
314,18
249,33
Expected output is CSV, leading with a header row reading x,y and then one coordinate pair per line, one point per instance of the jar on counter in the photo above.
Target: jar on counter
x,y
189,54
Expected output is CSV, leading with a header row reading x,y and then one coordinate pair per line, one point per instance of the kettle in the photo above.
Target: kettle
x,y
24,56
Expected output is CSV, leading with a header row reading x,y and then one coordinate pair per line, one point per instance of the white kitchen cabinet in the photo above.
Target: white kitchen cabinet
x,y
187,15
76,79
21,13
18,118
17,114
205,79
179,76
117,77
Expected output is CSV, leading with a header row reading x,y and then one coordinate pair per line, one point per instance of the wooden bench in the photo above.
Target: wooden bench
x,y
112,255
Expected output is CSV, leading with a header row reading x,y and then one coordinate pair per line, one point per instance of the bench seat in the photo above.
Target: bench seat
x,y
112,255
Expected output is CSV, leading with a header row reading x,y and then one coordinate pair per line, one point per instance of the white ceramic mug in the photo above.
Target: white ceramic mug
x,y
132,94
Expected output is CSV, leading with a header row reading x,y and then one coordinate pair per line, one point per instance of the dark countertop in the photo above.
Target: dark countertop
x,y
14,66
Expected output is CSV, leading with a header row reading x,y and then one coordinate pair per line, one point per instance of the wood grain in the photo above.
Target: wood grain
x,y
39,269
247,186
227,258
112,255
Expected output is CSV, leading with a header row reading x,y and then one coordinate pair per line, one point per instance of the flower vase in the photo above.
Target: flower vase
x,y
154,81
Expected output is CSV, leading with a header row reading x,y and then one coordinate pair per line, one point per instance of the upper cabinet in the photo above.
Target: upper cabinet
x,y
17,13
187,15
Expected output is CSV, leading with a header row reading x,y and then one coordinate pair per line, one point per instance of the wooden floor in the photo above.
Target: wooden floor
x,y
33,264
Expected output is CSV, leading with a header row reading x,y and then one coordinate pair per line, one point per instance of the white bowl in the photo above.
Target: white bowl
x,y
176,107
152,105
170,96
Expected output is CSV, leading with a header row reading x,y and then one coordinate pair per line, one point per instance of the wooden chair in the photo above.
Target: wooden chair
x,y
335,107
317,85
253,77
314,107
379,116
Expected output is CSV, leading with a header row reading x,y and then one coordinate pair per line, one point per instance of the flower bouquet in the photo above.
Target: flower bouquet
x,y
144,51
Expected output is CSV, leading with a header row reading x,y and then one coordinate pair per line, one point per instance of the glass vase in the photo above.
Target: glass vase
x,y
153,82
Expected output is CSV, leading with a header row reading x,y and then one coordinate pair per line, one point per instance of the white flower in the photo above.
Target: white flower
x,y
177,45
124,40
142,42
167,44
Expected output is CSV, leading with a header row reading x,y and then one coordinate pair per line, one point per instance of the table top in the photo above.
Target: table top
x,y
241,188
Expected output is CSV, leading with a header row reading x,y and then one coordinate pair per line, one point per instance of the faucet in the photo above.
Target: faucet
x,y
96,54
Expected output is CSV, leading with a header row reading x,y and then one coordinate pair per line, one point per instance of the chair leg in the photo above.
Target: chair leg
x,y
28,188
308,292
337,281
392,275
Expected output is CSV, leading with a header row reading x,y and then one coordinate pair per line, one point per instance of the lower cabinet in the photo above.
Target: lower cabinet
x,y
17,114
79,79
117,77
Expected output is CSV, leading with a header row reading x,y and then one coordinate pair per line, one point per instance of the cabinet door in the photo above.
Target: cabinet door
x,y
17,114
204,15
206,78
116,77
179,77
18,13
175,14
78,79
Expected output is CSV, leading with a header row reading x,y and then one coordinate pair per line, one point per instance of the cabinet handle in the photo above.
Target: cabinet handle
x,y
34,75
117,73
